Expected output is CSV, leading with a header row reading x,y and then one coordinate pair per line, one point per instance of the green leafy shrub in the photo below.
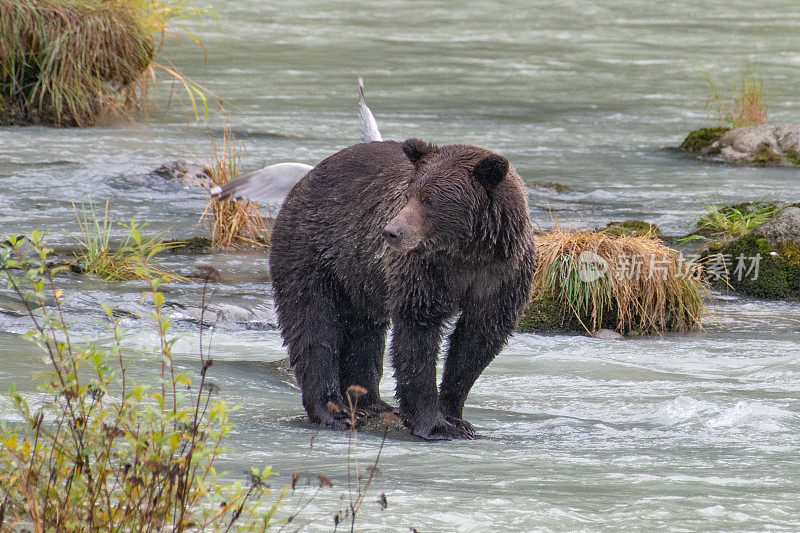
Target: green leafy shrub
x,y
100,451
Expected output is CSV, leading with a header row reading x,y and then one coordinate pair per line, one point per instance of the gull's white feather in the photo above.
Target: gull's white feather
x,y
270,185
369,127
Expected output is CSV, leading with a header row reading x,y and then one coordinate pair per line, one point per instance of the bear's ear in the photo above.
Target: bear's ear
x,y
416,149
491,171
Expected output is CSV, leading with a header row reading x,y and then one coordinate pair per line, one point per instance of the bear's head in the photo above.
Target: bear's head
x,y
451,190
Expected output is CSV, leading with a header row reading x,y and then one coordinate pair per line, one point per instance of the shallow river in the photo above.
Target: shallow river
x,y
693,432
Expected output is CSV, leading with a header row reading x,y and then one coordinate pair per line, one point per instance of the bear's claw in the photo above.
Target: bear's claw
x,y
461,430
462,425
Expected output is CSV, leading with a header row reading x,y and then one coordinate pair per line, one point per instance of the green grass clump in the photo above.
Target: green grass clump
x,y
64,62
734,220
132,259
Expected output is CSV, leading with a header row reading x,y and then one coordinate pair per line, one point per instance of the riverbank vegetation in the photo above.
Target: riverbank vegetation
x,y
67,62
232,223
97,449
632,284
132,259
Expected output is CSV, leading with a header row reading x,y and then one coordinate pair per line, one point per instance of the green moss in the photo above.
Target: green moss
x,y
702,138
632,228
546,315
791,158
195,244
543,314
766,157
778,275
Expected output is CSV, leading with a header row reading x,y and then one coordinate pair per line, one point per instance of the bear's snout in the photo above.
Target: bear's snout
x,y
393,234
406,230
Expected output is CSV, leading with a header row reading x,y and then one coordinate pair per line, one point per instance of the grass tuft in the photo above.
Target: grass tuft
x,y
735,220
232,223
64,62
633,284
133,259
746,106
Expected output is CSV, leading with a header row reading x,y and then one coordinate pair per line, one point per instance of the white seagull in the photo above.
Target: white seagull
x,y
271,184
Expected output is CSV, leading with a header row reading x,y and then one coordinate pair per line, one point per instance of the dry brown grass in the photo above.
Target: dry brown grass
x,y
747,105
640,285
232,223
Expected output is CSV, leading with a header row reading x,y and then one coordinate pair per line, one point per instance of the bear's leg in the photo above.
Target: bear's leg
x,y
312,329
478,337
361,364
415,345
316,371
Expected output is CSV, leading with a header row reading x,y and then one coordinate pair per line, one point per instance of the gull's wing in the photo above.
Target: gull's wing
x,y
269,185
369,128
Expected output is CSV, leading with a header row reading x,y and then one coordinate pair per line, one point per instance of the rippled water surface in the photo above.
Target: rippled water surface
x,y
694,432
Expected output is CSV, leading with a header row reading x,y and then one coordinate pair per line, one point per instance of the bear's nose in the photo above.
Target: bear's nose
x,y
393,234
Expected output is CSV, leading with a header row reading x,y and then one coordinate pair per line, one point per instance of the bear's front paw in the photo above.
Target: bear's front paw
x,y
337,421
463,425
444,430
375,409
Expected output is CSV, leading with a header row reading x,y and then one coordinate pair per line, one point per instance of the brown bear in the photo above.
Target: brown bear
x,y
407,233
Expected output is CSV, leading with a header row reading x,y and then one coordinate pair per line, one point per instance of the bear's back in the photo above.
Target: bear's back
x,y
332,218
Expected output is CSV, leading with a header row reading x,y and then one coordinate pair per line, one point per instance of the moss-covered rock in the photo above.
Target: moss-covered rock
x,y
545,314
766,261
764,145
701,139
549,187
632,228
791,158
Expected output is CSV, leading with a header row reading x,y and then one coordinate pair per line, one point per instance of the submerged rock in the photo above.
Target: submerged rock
x,y
762,145
185,172
549,187
608,335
